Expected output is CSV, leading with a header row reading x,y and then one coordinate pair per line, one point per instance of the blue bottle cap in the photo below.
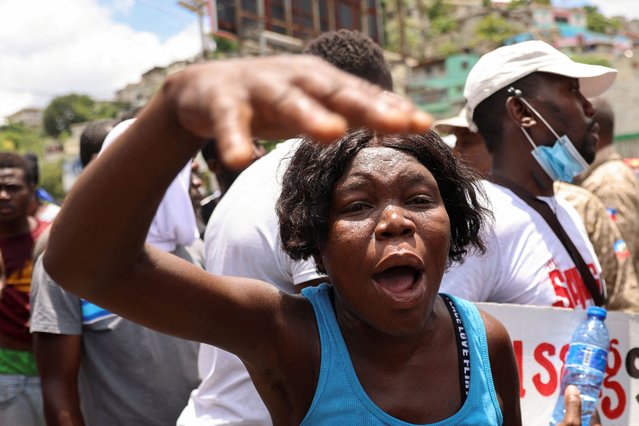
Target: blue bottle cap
x,y
597,311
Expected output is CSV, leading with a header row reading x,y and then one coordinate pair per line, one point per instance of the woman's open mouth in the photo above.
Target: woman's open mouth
x,y
401,284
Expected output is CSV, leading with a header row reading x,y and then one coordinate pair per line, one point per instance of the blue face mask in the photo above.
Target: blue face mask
x,y
562,161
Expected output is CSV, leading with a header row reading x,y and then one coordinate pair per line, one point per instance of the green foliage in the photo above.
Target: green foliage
x,y
437,20
64,111
443,25
437,9
22,139
51,178
414,40
517,3
17,137
270,145
592,60
493,30
108,109
598,23
225,46
448,48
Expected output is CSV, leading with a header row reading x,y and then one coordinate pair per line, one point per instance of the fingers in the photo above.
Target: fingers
x,y
384,112
281,97
232,129
360,103
573,406
301,113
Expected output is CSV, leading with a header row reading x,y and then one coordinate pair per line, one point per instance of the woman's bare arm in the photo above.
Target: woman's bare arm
x,y
96,249
504,369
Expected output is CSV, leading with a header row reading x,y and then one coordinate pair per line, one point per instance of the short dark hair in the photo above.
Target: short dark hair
x,y
209,150
11,160
308,184
490,113
355,53
34,167
604,116
92,138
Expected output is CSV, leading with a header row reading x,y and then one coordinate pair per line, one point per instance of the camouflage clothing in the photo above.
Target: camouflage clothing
x,y
614,183
622,284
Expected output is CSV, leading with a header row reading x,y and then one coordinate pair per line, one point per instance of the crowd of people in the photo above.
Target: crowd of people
x,y
330,280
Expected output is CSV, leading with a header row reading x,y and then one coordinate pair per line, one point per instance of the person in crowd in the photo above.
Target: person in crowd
x,y
197,194
92,138
468,145
622,284
618,270
379,218
174,228
20,393
613,181
96,367
528,102
43,205
242,239
2,275
380,229
223,175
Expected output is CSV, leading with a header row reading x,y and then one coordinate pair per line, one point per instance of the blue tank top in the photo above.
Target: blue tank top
x,y
340,399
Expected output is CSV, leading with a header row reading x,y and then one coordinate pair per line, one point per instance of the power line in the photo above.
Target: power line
x,y
47,94
163,9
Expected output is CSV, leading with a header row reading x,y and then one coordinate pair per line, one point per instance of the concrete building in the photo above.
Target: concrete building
x,y
274,25
30,117
437,86
138,94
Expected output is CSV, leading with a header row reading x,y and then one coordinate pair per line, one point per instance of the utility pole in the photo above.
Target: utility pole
x,y
401,16
201,8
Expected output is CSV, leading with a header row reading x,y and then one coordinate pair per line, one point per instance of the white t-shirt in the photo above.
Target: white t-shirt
x,y
242,239
174,223
525,262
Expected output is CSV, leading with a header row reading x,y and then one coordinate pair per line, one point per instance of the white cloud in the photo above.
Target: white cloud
x,y
626,8
123,6
58,47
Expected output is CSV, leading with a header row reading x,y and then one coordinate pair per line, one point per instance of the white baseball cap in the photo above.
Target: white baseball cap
x,y
500,67
446,125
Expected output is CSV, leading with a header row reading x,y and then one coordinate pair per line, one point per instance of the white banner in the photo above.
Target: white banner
x,y
540,337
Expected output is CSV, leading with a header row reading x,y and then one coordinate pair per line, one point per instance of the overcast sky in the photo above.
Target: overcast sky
x,y
55,47
627,8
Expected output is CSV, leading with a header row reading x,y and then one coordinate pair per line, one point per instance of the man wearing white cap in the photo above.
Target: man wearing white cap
x,y
468,145
528,101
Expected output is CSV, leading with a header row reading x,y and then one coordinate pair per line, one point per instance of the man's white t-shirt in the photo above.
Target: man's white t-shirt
x,y
525,262
174,223
242,239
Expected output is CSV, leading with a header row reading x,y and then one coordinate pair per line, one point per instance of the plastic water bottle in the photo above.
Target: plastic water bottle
x,y
585,364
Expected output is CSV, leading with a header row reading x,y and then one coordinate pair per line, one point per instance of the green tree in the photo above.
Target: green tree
x,y
592,60
437,9
108,109
598,23
51,178
443,25
17,137
64,111
225,46
493,30
517,3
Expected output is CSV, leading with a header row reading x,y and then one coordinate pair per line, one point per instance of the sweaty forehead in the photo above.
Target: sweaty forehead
x,y
13,175
377,157
383,163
